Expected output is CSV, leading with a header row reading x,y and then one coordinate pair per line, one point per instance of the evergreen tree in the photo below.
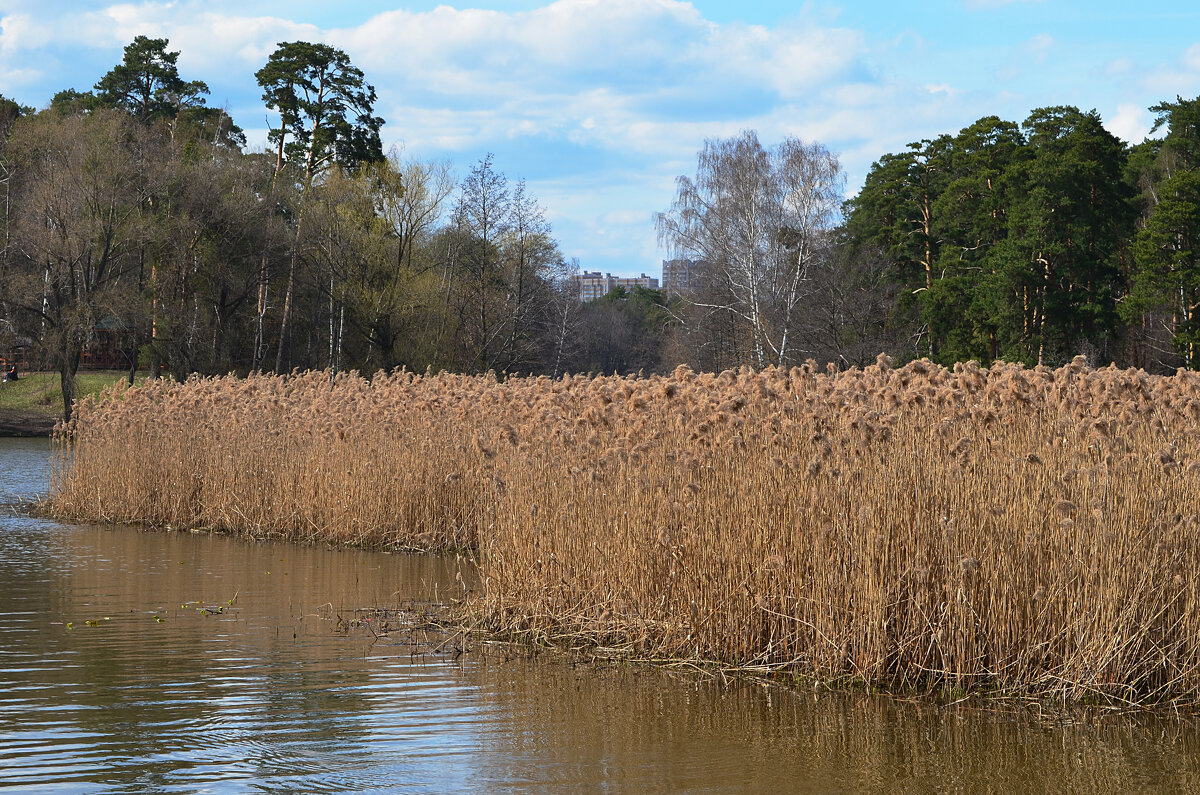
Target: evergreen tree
x,y
147,83
325,107
71,102
1069,225
967,307
1167,275
895,213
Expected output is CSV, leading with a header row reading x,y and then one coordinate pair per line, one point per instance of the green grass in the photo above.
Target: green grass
x,y
41,393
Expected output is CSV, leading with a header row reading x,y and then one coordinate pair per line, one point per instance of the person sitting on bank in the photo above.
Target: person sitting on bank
x,y
11,373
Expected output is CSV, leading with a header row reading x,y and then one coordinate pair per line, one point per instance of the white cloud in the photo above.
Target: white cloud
x,y
15,31
1191,57
1131,123
600,103
624,217
648,77
1119,67
634,46
16,78
1008,74
1181,78
606,218
206,41
1039,46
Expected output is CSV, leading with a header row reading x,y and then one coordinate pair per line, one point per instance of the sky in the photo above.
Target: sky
x,y
601,104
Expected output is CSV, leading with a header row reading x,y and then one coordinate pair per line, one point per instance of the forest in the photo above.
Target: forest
x,y
135,217
1036,242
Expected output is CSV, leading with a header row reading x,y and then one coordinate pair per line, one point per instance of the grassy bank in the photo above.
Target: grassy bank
x,y
32,404
1028,532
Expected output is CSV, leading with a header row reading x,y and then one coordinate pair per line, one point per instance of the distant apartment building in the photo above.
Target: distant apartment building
x,y
591,285
680,276
649,282
596,285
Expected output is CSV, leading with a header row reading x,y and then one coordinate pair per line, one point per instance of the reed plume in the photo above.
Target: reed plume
x,y
1019,530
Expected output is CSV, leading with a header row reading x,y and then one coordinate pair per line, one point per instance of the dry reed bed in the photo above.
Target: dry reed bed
x,y
1020,531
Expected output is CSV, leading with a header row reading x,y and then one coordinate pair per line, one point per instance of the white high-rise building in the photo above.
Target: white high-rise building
x,y
679,276
593,285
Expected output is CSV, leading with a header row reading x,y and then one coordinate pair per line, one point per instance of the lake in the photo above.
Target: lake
x,y
145,661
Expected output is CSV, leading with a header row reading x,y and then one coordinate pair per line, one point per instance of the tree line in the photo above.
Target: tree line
x,y
1040,241
135,217
1031,242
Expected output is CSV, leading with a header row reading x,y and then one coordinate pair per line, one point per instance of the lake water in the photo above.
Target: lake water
x,y
212,664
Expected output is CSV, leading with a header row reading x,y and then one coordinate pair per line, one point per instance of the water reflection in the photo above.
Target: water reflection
x,y
268,695
637,731
24,469
159,693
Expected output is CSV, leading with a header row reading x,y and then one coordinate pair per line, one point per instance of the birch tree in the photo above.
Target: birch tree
x,y
759,218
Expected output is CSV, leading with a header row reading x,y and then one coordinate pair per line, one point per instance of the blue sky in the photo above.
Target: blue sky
x,y
601,104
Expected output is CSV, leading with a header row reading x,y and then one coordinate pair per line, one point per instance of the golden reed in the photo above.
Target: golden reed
x,y
1020,531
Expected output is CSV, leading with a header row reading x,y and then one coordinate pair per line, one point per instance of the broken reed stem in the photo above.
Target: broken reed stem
x,y
1008,529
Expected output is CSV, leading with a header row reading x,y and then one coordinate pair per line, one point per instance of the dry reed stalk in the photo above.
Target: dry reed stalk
x,y
1019,530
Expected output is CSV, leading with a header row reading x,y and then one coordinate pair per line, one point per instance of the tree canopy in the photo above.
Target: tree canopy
x,y
1010,239
147,83
135,223
325,106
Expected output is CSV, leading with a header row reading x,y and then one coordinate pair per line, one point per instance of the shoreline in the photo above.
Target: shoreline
x,y
458,622
26,424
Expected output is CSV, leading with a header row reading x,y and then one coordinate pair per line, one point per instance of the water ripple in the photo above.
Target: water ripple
x,y
268,695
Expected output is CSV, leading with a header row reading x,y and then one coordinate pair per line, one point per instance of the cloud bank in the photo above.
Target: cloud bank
x,y
600,104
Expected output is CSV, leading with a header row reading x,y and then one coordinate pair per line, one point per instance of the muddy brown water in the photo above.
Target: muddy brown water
x,y
272,693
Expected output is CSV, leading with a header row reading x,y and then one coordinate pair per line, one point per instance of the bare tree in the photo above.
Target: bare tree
x,y
483,219
852,316
563,325
531,260
80,218
325,107
500,261
413,211
757,217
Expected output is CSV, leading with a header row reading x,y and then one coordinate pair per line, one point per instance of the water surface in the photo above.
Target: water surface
x,y
279,692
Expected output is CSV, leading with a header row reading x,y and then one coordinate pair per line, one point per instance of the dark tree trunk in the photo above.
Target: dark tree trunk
x,y
68,366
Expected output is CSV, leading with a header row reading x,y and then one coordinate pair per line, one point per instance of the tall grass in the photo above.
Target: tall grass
x,y
1015,530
